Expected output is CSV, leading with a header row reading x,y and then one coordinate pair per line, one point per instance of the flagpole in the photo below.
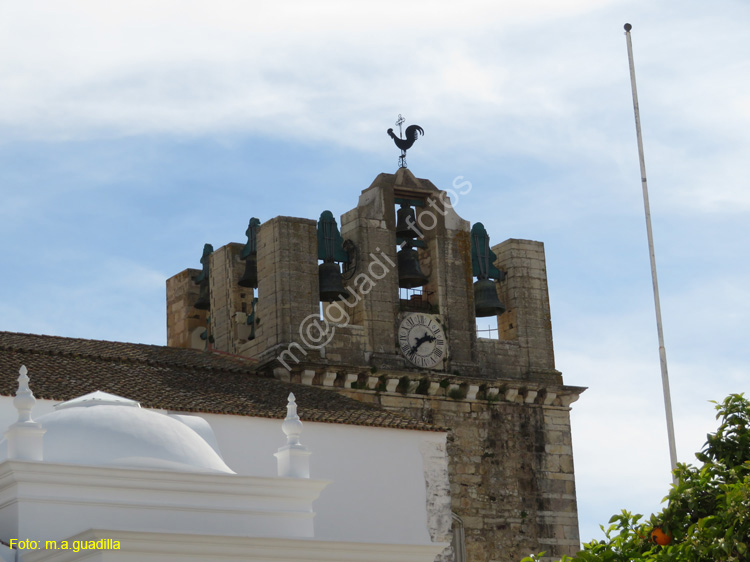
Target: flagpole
x,y
657,305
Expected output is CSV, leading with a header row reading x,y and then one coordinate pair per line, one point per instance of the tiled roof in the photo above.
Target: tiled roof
x,y
175,379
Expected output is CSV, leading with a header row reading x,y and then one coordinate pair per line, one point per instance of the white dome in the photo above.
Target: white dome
x,y
107,430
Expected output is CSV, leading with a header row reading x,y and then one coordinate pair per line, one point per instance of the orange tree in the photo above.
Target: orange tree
x,y
707,516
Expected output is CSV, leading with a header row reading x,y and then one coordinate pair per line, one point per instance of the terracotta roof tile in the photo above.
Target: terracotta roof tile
x,y
173,379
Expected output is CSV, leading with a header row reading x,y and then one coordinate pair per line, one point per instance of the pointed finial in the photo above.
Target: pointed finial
x,y
293,458
291,407
292,426
24,400
25,437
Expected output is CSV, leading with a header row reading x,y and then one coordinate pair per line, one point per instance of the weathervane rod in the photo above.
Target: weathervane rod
x,y
657,305
399,122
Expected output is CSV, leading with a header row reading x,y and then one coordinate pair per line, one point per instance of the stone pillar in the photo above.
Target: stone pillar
x,y
450,256
184,321
371,226
227,297
524,292
287,286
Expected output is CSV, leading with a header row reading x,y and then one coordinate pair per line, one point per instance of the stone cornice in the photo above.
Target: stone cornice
x,y
435,385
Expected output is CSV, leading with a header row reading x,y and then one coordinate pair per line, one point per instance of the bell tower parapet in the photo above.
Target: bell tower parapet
x,y
361,328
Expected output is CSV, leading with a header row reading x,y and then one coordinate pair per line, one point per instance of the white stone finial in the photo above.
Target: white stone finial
x,y
292,426
25,436
293,458
24,400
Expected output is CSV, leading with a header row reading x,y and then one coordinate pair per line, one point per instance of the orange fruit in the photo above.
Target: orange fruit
x,y
660,537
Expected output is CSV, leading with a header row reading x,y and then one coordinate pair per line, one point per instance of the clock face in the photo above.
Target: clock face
x,y
422,340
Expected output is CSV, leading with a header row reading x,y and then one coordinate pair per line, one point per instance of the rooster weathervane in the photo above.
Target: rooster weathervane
x,y
412,132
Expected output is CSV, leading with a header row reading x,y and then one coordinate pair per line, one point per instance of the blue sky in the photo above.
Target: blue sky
x,y
132,134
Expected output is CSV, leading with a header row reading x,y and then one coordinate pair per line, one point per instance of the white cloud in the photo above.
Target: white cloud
x,y
182,68
542,79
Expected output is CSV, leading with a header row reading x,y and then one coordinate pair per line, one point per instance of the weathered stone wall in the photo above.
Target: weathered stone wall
x,y
510,456
348,347
511,471
509,446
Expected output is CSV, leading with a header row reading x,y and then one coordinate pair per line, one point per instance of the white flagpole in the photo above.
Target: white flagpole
x,y
657,306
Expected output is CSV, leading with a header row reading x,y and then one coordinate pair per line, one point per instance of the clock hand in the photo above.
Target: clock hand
x,y
417,343
420,341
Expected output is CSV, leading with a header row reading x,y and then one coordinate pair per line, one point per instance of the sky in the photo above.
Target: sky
x,y
131,133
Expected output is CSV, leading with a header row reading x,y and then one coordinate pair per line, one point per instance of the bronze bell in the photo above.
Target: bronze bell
x,y
330,284
250,277
406,216
409,273
486,301
203,303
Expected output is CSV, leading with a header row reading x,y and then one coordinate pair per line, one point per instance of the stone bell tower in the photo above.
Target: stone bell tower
x,y
384,310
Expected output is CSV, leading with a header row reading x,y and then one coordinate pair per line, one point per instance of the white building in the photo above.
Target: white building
x,y
153,454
